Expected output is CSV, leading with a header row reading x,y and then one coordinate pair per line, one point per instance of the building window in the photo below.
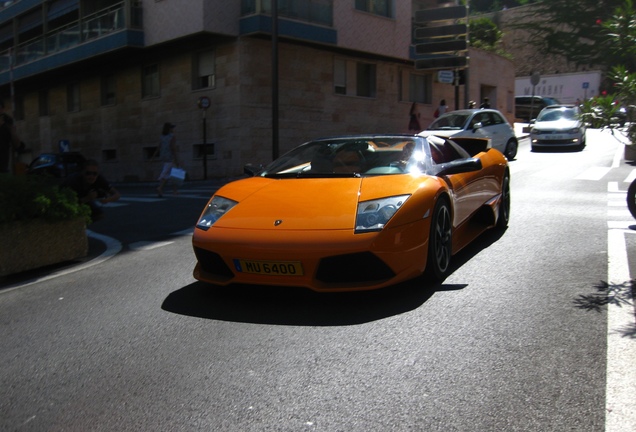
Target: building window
x,y
150,81
204,69
43,103
420,88
73,97
378,7
340,76
108,90
365,80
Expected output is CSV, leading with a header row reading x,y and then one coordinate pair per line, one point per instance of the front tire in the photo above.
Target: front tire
x,y
440,242
631,198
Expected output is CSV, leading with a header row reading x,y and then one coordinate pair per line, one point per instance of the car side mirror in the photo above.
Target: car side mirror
x,y
459,166
477,125
252,170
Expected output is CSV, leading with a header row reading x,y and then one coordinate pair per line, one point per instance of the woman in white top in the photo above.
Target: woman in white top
x,y
167,151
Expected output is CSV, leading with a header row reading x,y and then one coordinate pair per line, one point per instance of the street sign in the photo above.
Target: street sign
x,y
586,85
203,102
446,76
535,78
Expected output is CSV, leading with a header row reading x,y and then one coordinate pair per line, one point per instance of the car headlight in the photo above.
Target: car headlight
x,y
373,215
216,208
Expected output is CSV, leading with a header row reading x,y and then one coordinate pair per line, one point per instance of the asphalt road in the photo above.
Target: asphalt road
x,y
523,336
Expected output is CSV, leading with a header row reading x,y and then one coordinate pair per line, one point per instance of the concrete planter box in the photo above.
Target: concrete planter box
x,y
27,245
630,153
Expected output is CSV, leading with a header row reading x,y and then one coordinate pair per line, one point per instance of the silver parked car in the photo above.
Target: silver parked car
x,y
477,123
558,126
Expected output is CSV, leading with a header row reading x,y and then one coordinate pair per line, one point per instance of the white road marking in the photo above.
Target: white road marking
x,y
621,225
615,203
619,213
621,349
631,177
148,245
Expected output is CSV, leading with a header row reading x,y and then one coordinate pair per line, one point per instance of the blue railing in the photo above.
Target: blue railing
x,y
312,11
94,26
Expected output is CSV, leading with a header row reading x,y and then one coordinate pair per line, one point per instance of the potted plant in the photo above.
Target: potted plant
x,y
40,224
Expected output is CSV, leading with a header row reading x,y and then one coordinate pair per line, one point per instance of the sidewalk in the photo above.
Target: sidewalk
x,y
519,130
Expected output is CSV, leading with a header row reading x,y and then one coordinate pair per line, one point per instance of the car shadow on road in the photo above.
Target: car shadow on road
x,y
303,307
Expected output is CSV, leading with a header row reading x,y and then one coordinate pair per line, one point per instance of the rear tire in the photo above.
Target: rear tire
x,y
504,206
440,242
631,198
511,149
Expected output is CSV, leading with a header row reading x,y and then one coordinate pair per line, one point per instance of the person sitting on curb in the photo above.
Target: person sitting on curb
x,y
92,188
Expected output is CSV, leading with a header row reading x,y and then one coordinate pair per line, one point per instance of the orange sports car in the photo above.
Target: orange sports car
x,y
353,213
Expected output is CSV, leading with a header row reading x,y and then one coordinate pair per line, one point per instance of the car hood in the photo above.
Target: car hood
x,y
306,204
557,125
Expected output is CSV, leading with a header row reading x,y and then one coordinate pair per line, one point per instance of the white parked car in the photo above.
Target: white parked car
x,y
558,126
477,123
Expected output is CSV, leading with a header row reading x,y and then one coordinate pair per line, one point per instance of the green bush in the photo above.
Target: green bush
x,y
601,112
29,197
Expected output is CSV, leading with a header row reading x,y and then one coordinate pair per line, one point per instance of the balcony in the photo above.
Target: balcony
x,y
89,36
313,11
310,20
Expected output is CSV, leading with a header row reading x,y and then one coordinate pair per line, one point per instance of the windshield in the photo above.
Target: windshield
x,y
350,157
451,121
557,114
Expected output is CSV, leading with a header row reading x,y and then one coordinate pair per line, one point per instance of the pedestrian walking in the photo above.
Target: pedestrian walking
x,y
167,152
414,119
485,103
441,109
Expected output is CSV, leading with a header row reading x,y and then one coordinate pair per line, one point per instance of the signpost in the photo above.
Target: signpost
x,y
534,80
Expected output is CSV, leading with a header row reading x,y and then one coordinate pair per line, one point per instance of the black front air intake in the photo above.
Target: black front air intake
x,y
212,263
350,268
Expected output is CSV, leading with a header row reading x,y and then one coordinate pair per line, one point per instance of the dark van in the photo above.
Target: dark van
x,y
528,107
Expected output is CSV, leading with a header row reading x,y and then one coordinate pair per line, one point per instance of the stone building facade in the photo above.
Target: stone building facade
x,y
346,69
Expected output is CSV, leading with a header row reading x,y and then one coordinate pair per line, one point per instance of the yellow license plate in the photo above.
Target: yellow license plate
x,y
273,268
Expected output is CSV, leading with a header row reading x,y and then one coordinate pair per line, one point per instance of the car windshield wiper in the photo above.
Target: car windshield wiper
x,y
307,174
328,175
